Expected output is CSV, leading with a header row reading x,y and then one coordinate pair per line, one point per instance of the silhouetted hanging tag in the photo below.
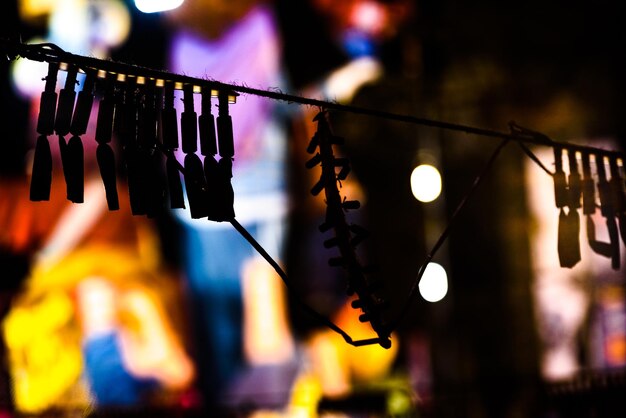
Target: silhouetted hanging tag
x,y
189,122
206,125
608,211
104,124
106,164
196,186
84,103
48,103
618,195
41,177
65,108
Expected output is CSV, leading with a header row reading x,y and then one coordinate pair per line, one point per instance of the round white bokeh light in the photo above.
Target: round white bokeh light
x,y
425,183
434,283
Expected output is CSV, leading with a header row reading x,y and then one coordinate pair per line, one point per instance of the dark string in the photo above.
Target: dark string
x,y
52,53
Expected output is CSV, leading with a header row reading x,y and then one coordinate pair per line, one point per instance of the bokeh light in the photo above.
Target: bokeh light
x,y
434,283
426,183
154,6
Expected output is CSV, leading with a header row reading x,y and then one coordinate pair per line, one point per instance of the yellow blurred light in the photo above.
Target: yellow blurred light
x,y
425,183
434,283
32,9
154,6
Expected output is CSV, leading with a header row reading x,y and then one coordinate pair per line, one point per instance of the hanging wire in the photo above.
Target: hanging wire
x,y
48,52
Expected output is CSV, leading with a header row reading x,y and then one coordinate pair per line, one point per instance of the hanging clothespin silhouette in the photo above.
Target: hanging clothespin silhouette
x,y
104,153
126,125
194,172
610,249
225,197
72,153
607,209
208,148
152,191
618,194
567,195
41,178
169,133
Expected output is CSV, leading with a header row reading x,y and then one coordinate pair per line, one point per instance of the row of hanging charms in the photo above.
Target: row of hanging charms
x,y
144,120
568,191
346,237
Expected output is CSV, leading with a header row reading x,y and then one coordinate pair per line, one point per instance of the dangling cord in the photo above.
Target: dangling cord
x,y
608,211
169,132
104,153
194,173
618,195
226,196
41,177
208,148
446,231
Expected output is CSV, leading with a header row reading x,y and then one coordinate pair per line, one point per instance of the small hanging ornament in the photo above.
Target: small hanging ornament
x,y
41,178
169,132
